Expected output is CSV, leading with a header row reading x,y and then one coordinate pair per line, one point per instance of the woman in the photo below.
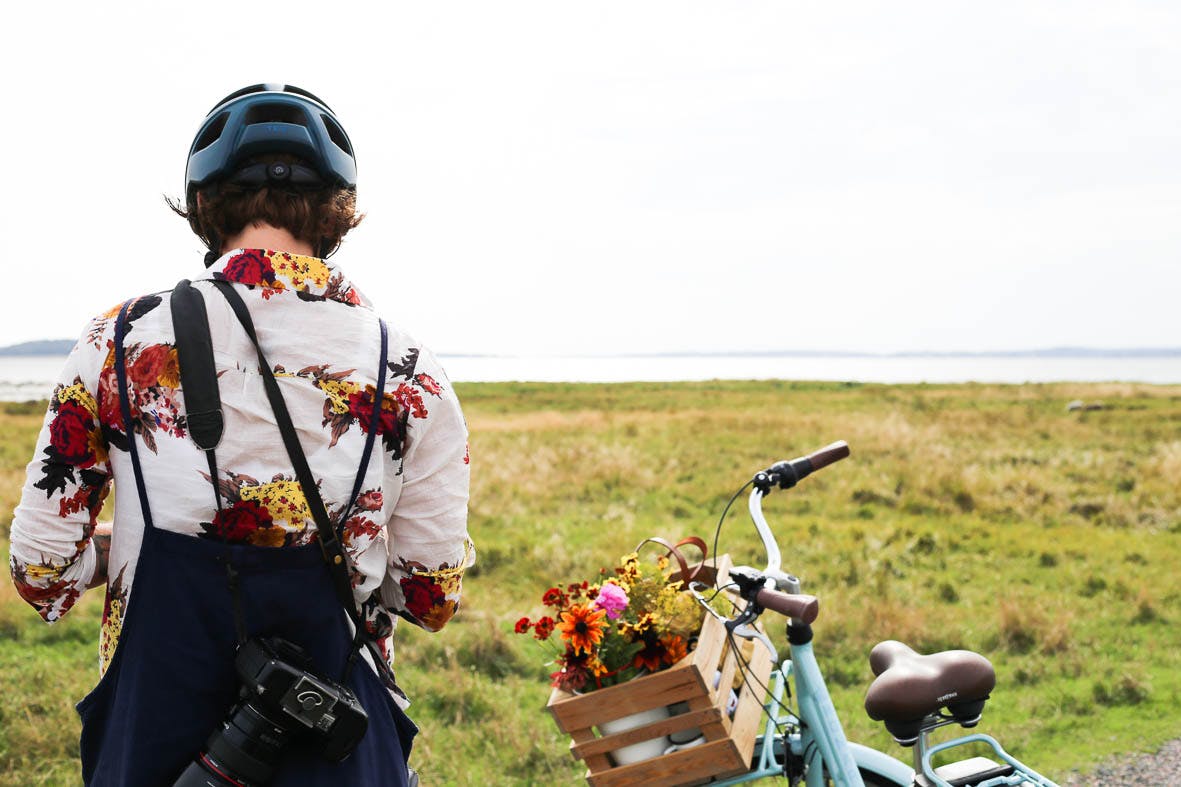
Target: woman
x,y
210,548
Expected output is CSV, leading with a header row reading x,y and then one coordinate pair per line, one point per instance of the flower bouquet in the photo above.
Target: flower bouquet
x,y
640,667
633,622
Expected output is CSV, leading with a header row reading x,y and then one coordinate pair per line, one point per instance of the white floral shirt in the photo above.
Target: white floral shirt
x,y
407,534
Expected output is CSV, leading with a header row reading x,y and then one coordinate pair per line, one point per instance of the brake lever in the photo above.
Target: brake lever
x,y
747,631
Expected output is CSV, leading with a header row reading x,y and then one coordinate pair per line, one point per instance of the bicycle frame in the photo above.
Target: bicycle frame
x,y
818,752
816,738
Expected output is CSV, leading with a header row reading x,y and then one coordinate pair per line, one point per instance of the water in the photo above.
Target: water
x,y
31,377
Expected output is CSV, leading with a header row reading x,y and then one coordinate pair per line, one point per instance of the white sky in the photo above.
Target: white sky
x,y
636,177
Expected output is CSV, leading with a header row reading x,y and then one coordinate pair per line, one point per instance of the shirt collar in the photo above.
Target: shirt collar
x,y
279,271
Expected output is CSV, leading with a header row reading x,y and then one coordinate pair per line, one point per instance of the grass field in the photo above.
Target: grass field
x,y
976,516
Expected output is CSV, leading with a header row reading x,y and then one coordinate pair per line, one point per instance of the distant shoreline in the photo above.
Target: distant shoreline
x,y
62,347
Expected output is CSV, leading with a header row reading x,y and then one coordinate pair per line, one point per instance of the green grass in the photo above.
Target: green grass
x,y
976,516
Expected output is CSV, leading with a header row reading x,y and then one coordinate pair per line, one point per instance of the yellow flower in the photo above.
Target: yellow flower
x,y
268,536
78,393
34,571
281,499
437,616
302,271
338,393
108,639
597,668
169,376
96,445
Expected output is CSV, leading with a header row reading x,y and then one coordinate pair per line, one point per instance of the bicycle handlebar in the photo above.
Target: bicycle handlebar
x,y
803,608
788,473
833,452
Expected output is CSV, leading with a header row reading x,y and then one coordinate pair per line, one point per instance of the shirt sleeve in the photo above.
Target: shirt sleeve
x,y
429,546
53,559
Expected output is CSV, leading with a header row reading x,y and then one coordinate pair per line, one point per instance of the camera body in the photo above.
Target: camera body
x,y
282,701
275,675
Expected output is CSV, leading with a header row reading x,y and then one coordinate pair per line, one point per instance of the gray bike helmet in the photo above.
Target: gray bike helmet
x,y
271,118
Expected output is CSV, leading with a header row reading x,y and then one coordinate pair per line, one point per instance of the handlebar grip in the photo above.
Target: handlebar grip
x,y
800,606
829,454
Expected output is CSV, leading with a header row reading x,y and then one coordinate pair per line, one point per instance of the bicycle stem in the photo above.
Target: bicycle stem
x,y
774,559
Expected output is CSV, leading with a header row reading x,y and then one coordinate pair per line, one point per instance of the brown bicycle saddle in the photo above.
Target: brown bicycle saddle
x,y
909,687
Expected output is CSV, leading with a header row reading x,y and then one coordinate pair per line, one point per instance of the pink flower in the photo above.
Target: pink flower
x,y
612,598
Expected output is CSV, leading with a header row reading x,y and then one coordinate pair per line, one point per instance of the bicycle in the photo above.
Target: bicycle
x,y
912,694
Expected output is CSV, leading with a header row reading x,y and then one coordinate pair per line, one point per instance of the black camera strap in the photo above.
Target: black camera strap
x,y
334,555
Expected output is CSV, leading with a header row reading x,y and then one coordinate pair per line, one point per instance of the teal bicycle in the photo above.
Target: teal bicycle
x,y
912,694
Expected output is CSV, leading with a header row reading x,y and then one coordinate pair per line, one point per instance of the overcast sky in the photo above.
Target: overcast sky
x,y
636,177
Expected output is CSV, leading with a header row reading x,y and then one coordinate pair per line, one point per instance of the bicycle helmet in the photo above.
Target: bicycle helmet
x,y
271,118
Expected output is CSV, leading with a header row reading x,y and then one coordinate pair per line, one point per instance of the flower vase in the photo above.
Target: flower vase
x,y
644,749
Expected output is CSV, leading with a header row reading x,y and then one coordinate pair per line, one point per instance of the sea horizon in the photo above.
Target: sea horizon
x,y
31,377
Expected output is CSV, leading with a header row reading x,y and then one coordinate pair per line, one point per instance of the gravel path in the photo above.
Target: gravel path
x,y
1162,769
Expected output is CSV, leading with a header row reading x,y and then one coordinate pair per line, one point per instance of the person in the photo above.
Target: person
x,y
217,546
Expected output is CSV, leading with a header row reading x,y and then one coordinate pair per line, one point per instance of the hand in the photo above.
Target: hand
x,y
102,547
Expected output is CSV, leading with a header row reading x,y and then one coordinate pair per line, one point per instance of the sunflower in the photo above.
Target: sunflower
x,y
583,627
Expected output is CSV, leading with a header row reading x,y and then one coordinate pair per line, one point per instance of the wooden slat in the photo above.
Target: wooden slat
x,y
748,717
657,729
682,767
669,687
595,762
725,685
729,743
708,653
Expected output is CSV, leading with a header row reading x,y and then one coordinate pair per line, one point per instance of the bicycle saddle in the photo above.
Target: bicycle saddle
x,y
909,687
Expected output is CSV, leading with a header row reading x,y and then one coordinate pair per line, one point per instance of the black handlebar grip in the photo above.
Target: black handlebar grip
x,y
800,606
829,454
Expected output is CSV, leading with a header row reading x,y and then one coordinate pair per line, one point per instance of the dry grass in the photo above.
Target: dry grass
x,y
975,516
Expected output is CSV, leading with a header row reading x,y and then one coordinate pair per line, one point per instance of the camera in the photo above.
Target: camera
x,y
282,702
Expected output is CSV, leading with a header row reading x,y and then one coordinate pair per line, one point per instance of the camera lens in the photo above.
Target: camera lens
x,y
249,744
246,749
206,772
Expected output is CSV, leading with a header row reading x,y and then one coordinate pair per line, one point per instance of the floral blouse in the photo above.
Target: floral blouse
x,y
407,535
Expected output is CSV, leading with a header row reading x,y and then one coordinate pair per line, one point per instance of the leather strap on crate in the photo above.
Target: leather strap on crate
x,y
674,551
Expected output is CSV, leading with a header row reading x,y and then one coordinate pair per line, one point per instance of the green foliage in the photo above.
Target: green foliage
x,y
969,516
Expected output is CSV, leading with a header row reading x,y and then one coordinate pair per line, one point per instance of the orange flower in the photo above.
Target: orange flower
x,y
675,649
583,627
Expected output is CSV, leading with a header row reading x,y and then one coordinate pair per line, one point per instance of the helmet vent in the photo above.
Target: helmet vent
x,y
211,132
275,113
336,134
301,92
239,93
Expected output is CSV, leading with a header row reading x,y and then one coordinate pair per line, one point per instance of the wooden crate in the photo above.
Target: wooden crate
x,y
729,742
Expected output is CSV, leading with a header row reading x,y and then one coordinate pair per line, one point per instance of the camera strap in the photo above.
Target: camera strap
x,y
191,321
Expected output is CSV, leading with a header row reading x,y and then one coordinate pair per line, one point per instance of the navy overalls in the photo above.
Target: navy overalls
x,y
171,682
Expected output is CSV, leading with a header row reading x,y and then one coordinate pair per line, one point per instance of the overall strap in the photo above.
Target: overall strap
x,y
125,408
330,546
374,425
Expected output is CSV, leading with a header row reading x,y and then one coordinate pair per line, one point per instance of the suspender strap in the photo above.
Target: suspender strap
x,y
374,425
125,409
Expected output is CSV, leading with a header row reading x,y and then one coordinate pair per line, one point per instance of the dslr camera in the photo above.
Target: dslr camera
x,y
282,702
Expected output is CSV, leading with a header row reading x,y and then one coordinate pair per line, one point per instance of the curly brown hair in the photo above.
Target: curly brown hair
x,y
320,217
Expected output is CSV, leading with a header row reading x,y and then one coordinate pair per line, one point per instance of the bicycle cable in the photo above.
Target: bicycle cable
x,y
722,519
749,678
